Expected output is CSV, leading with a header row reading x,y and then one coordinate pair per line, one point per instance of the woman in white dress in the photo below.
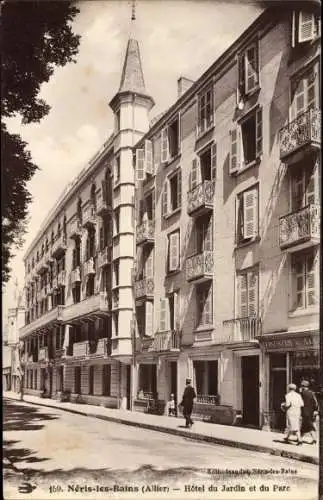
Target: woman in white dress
x,y
293,404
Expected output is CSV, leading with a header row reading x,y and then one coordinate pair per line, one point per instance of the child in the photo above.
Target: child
x,y
172,406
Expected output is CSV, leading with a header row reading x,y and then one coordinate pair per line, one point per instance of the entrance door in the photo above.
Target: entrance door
x,y
277,391
250,390
50,377
128,387
173,380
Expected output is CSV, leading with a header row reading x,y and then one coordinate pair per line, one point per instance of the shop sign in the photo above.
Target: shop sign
x,y
289,344
305,359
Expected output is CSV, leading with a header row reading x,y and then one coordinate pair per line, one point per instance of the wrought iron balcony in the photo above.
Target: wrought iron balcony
x,y
167,341
143,344
99,347
145,232
76,275
89,215
59,245
75,228
55,316
61,278
102,206
144,289
200,199
96,306
105,257
244,329
300,228
89,267
303,133
199,267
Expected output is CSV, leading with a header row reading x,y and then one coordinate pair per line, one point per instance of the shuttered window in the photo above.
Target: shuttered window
x,y
234,166
149,265
173,251
194,173
247,293
305,279
163,315
304,92
213,162
164,146
140,164
247,215
248,71
148,157
149,310
204,294
306,26
164,202
205,111
304,187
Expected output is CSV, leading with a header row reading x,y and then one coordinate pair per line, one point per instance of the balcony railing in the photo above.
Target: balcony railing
x,y
89,215
167,341
144,288
76,275
303,132
145,232
97,305
143,344
88,267
241,329
200,198
61,278
43,354
199,267
80,349
55,315
59,245
102,205
300,227
100,347
105,257
75,228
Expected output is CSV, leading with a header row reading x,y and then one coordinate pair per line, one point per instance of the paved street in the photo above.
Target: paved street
x,y
48,450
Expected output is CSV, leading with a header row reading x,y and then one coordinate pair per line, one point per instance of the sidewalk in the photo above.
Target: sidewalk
x,y
248,439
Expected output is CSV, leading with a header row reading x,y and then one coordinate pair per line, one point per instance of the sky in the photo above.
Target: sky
x,y
176,38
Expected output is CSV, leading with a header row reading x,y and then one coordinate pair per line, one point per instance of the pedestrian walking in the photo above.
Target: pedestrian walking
x,y
292,405
187,402
309,411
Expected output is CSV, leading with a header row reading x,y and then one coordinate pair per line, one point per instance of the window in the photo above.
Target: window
x,y
170,141
246,142
203,167
204,234
90,285
115,319
206,377
91,379
304,92
305,269
248,69
172,194
306,26
304,184
106,380
90,244
247,215
247,293
169,312
117,121
77,380
174,251
76,292
116,273
79,210
205,111
117,221
117,170
204,296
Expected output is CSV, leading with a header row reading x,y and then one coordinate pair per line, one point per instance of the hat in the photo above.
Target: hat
x,y
188,380
305,383
292,387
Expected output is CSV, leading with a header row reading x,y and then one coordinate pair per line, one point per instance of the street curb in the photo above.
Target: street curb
x,y
187,434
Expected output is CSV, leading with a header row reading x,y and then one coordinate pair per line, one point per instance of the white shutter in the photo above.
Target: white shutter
x,y
149,317
234,154
250,213
140,165
311,279
251,70
164,202
253,293
164,147
194,173
258,132
174,251
139,263
177,310
179,188
157,154
149,267
294,34
306,27
148,157
298,275
208,232
213,162
162,315
311,88
242,282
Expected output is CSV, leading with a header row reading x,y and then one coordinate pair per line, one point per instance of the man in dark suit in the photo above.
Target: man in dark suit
x,y
309,410
187,402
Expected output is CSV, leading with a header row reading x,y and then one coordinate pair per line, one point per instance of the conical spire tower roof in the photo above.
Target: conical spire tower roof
x,y
132,78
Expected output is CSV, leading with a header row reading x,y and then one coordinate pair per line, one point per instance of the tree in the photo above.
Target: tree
x,y
36,37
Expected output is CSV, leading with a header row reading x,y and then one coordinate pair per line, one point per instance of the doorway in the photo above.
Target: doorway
x,y
173,381
278,382
77,380
128,386
250,390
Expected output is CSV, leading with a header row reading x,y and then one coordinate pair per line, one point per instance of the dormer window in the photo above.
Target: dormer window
x,y
205,111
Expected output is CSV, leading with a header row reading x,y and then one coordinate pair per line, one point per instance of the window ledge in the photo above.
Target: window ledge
x,y
251,164
203,134
204,328
309,311
251,93
246,243
172,273
172,160
174,212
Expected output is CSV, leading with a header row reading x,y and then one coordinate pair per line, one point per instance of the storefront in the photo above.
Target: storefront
x,y
289,358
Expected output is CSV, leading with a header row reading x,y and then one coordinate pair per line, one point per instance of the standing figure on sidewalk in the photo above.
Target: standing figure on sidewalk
x,y
309,410
187,402
172,406
292,405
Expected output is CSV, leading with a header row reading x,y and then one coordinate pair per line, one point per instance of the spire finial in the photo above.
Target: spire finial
x,y
133,10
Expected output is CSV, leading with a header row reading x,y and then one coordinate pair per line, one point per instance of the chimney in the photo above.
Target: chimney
x,y
183,84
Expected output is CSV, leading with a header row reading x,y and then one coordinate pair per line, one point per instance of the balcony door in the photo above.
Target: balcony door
x,y
304,186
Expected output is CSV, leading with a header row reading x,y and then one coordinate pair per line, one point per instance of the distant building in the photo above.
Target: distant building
x,y
190,246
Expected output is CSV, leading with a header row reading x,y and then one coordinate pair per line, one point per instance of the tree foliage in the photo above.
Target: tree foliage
x,y
36,37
